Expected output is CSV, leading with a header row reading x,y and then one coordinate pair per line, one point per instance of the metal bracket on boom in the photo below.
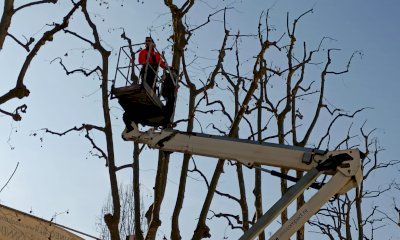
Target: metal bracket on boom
x,y
347,174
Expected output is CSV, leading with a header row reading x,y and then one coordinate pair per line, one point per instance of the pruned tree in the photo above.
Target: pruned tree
x,y
279,91
179,39
285,111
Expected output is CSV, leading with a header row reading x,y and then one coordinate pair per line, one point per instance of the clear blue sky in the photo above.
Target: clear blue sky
x,y
58,174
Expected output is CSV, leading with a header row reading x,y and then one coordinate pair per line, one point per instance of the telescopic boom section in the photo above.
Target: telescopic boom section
x,y
244,151
343,165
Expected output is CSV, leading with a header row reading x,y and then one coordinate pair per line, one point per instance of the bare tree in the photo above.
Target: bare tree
x,y
179,38
111,219
20,90
127,225
279,95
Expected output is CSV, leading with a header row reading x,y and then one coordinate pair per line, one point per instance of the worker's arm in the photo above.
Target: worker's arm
x,y
160,61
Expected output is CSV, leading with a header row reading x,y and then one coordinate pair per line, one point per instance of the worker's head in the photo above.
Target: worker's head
x,y
149,42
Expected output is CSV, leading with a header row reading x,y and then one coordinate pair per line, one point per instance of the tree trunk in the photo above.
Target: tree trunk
x,y
360,226
159,191
300,202
136,192
175,231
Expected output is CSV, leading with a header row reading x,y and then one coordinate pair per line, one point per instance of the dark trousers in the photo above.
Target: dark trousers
x,y
150,76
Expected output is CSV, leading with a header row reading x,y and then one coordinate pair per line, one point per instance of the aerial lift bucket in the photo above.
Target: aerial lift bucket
x,y
141,102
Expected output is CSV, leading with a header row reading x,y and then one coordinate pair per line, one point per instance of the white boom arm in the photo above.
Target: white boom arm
x,y
344,166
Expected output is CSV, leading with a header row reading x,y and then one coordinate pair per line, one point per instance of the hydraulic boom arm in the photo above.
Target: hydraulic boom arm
x,y
344,166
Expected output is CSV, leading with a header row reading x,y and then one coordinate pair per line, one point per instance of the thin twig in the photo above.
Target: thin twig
x,y
9,179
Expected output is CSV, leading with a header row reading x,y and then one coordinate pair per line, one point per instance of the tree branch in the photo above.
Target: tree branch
x,y
9,179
